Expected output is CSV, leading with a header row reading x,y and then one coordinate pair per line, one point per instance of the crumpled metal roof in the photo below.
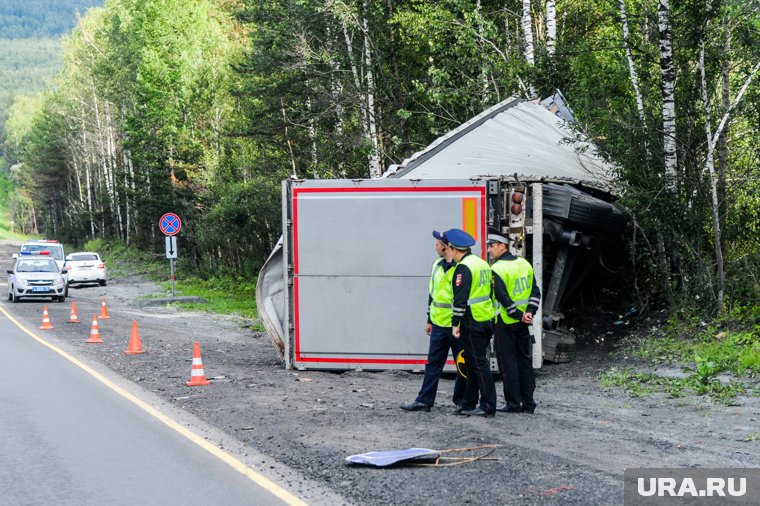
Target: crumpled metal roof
x,y
512,137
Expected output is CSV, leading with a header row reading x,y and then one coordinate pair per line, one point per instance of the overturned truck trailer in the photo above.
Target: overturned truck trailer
x,y
346,287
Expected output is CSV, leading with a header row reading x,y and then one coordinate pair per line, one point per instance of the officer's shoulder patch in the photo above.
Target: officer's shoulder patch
x,y
458,280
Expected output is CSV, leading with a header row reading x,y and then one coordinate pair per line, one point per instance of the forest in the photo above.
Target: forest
x,y
203,107
40,19
30,47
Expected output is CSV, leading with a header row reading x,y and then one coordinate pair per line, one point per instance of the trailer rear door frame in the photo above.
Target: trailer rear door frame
x,y
359,254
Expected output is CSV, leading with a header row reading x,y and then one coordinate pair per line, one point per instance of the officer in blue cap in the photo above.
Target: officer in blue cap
x,y
518,297
472,323
438,327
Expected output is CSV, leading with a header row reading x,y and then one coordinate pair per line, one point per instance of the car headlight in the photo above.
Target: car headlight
x,y
59,280
21,282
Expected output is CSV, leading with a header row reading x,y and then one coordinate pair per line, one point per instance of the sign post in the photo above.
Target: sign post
x,y
170,225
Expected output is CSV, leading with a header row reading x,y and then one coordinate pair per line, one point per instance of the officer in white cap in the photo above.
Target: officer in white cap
x,y
472,322
438,327
517,297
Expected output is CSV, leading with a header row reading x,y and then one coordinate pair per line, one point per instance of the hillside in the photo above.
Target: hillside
x,y
30,47
39,19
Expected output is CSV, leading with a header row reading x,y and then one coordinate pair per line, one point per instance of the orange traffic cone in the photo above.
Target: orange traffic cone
x,y
135,346
95,332
103,310
73,317
197,376
45,320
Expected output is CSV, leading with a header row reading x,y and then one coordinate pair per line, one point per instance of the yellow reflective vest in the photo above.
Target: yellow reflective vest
x,y
517,275
441,294
479,300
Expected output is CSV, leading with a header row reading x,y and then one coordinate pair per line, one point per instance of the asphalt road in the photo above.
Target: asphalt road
x,y
68,438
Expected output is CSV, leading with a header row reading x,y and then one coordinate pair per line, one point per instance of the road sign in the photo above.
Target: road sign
x,y
171,246
170,224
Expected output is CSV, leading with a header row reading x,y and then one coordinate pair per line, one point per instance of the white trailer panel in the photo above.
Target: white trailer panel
x,y
359,258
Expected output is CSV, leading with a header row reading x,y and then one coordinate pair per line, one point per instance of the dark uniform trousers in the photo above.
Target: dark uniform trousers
x,y
514,354
441,340
475,337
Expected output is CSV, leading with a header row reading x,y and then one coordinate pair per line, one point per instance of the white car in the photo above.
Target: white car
x,y
85,267
44,247
36,276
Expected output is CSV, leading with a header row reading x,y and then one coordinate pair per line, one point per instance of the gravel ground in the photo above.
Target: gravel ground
x,y
298,426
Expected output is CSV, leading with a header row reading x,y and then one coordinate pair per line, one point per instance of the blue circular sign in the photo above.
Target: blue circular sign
x,y
170,224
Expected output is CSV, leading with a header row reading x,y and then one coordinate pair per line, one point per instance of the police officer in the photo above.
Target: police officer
x,y
438,327
471,322
517,297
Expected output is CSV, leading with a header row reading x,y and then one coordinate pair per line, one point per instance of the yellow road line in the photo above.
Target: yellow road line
x,y
222,455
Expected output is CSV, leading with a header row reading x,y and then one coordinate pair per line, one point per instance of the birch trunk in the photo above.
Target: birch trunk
x,y
357,80
104,160
127,207
631,66
287,137
111,144
88,178
336,91
132,188
484,70
374,157
634,78
725,103
712,140
551,27
527,30
312,130
714,206
667,70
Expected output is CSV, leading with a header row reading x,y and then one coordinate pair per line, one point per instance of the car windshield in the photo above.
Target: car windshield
x,y
36,266
56,251
83,258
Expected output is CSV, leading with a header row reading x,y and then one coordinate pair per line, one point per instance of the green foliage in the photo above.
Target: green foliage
x,y
34,19
25,67
639,384
730,344
224,294
203,107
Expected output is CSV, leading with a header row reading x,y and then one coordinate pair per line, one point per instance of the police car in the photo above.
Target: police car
x,y
53,248
36,276
46,247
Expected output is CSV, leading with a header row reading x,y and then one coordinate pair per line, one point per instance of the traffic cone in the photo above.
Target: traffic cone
x,y
45,320
103,310
197,376
95,332
135,346
73,317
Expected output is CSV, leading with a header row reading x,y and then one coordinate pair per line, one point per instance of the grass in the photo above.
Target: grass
x,y
224,295
232,295
642,384
5,225
729,345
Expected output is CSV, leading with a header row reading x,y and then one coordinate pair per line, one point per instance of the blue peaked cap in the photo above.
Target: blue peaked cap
x,y
459,238
441,236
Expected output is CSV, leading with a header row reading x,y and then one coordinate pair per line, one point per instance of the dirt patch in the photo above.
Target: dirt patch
x,y
573,450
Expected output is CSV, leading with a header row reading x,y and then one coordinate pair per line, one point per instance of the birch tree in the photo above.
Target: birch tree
x,y
551,27
668,83
712,140
526,22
